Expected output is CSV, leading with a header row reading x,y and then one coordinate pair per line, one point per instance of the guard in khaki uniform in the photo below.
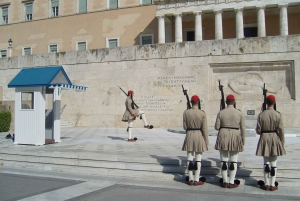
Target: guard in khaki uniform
x,y
230,141
196,140
131,113
271,142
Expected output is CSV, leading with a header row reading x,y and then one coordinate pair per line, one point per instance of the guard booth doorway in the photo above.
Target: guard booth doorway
x,y
49,116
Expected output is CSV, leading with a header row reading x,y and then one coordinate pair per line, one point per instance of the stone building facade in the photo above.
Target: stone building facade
x,y
198,43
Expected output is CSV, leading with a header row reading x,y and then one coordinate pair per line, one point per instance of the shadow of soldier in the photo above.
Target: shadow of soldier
x,y
177,167
242,174
117,138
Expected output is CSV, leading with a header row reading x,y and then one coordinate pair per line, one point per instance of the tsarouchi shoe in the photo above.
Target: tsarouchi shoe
x,y
225,185
197,183
233,185
191,183
273,188
265,187
131,140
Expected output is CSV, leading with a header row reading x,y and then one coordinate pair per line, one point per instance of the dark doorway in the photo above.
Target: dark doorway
x,y
250,32
190,36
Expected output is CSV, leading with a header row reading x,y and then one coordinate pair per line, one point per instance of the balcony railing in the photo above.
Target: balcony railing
x,y
165,4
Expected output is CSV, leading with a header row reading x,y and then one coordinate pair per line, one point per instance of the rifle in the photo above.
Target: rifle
x,y
264,105
133,103
188,104
222,101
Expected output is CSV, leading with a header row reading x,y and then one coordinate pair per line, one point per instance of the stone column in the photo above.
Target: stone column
x,y
239,21
198,25
284,29
218,25
161,29
178,27
261,28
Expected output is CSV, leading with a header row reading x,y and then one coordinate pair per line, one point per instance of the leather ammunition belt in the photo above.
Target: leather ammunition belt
x,y
194,129
230,128
269,131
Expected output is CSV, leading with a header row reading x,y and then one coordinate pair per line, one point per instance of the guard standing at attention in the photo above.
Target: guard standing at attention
x,y
271,142
131,113
196,140
230,141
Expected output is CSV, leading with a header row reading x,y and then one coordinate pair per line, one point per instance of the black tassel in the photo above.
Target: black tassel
x,y
195,165
231,167
191,166
273,171
267,168
224,166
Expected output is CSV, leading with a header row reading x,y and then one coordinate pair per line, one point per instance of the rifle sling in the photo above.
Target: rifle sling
x,y
230,128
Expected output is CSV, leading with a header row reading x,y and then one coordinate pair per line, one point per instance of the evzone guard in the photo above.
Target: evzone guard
x,y
230,140
271,142
196,140
132,111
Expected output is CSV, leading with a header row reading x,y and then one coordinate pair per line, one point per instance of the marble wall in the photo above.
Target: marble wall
x,y
157,72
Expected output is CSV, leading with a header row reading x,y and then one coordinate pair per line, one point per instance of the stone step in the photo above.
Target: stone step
x,y
65,123
294,182
135,166
75,157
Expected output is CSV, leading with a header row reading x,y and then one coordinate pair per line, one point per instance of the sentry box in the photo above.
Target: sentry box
x,y
34,124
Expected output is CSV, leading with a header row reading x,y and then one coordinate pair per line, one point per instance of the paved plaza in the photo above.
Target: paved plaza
x,y
108,184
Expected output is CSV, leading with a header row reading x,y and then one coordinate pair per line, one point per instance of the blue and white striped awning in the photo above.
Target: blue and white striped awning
x,y
68,86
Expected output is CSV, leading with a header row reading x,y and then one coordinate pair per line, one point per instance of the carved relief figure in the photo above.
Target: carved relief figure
x,y
249,83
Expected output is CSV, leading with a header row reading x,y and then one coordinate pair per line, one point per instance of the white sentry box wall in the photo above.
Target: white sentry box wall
x,y
30,123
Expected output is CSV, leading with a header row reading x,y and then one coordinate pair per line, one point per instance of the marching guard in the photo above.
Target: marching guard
x,y
230,141
196,140
130,114
271,142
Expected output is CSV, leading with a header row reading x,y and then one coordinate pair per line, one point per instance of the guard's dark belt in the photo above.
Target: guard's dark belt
x,y
194,129
268,131
230,128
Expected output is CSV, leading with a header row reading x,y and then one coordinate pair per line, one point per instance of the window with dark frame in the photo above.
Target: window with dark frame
x,y
28,12
4,15
81,45
27,51
113,4
82,7
27,100
54,8
3,53
112,43
146,2
53,48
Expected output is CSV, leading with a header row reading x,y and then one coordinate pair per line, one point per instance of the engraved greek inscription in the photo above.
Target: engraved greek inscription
x,y
154,104
175,81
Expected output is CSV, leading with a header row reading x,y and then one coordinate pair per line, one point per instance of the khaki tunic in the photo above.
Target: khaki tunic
x,y
195,140
128,114
230,139
270,144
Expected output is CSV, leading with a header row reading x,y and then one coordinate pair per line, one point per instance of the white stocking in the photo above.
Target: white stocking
x,y
224,157
266,174
130,124
273,161
198,156
143,117
233,158
190,156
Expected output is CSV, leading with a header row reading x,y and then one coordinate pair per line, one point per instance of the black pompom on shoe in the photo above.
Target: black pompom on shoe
x,y
236,181
203,179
